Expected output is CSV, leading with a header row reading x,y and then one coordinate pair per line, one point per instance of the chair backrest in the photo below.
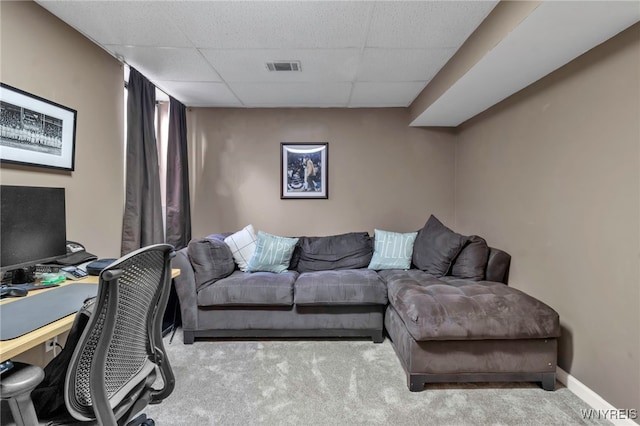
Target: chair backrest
x,y
114,364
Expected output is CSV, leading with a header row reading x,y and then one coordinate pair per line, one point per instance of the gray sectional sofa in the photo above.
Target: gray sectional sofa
x,y
328,292
450,318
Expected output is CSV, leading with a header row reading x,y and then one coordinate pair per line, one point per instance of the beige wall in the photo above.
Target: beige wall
x,y
552,175
382,174
42,55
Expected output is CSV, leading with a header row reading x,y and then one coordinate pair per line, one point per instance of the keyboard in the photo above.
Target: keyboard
x,y
33,286
5,289
75,258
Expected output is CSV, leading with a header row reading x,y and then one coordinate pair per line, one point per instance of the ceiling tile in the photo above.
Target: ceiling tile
x,y
200,93
167,63
256,24
120,22
389,94
292,94
316,64
402,64
420,24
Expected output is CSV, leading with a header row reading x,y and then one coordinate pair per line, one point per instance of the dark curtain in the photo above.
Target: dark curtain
x,y
178,208
142,223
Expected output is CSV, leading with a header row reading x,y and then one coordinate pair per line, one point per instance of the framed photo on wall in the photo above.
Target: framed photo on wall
x,y
35,131
303,170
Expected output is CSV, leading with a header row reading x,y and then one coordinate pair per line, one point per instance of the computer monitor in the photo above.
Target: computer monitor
x,y
32,226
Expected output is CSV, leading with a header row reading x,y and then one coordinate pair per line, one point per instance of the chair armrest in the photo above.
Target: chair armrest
x,y
22,378
16,387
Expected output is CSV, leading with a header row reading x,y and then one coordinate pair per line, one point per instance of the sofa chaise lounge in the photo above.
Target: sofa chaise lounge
x,y
451,317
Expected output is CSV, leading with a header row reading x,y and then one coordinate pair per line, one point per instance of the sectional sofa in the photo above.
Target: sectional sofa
x,y
441,297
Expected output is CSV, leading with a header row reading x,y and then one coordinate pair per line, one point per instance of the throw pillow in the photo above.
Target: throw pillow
x,y
392,250
211,260
242,245
471,263
272,254
436,247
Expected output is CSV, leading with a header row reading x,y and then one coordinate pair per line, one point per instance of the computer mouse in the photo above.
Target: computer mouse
x,y
17,292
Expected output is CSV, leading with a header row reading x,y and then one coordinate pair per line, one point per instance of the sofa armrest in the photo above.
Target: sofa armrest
x,y
185,284
498,266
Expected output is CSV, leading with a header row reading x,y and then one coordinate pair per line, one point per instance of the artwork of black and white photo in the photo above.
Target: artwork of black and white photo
x,y
25,129
35,131
304,170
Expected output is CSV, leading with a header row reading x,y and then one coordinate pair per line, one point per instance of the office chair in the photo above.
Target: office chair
x,y
114,365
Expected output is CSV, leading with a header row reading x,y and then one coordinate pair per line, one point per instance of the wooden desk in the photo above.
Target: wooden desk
x,y
14,347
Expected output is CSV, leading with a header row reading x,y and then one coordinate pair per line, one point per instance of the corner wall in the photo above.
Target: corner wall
x,y
382,173
44,56
552,175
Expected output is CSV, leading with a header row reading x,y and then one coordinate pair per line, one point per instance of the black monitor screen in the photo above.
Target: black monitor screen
x,y
32,226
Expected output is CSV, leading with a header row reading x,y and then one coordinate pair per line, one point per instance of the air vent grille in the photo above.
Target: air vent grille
x,y
284,66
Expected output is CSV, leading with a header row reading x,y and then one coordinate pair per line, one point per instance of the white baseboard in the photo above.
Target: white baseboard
x,y
594,400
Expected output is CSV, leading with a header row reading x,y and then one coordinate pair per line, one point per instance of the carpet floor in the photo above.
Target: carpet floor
x,y
338,382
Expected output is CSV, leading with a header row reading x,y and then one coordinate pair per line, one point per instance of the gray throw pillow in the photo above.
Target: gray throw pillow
x,y
211,260
345,251
436,247
471,263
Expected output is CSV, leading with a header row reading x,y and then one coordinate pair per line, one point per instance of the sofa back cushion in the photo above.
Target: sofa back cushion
x,y
211,260
435,247
345,251
471,263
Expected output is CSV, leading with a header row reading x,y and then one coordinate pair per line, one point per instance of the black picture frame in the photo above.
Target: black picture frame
x,y
295,181
35,131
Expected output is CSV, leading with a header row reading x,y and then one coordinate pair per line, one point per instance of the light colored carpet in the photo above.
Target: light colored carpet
x,y
337,382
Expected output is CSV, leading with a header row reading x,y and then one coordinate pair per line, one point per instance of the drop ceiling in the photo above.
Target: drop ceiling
x,y
214,53
352,53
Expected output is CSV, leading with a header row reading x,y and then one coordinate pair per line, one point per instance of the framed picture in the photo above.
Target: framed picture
x,y
35,131
303,170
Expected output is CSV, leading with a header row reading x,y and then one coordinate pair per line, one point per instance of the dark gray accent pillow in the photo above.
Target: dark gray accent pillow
x,y
471,263
211,260
345,251
219,237
436,247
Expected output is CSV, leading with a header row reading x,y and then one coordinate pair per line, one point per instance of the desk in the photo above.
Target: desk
x,y
14,347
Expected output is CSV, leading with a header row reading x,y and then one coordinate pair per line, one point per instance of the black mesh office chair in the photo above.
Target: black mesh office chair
x,y
113,368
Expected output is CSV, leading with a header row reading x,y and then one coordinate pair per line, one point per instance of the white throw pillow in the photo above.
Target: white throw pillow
x,y
242,245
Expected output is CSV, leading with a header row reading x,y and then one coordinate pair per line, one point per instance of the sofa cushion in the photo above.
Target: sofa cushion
x,y
343,287
242,245
345,251
436,247
211,260
392,250
471,263
220,236
434,310
250,289
272,254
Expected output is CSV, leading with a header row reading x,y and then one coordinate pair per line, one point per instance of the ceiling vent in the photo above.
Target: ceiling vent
x,y
284,66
